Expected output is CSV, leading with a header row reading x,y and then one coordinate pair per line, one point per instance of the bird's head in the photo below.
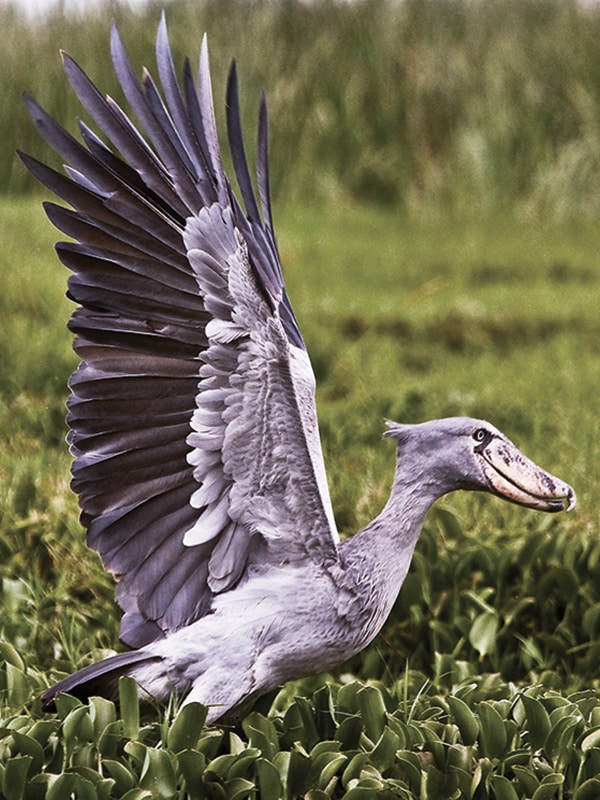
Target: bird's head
x,y
464,453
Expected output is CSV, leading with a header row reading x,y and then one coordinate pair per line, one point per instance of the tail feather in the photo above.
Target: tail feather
x,y
101,678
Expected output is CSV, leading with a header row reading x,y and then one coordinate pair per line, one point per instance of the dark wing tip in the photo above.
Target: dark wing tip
x,y
236,145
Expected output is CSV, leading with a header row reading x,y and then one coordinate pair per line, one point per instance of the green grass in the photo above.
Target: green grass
x,y
453,105
470,285
405,319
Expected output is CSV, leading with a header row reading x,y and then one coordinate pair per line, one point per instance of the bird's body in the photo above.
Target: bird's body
x,y
193,423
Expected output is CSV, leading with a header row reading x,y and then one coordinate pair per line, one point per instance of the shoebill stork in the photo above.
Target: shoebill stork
x,y
192,417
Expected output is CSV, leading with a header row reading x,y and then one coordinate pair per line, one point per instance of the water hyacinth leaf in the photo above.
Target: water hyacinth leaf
x,y
239,788
269,780
375,784
464,718
191,766
186,728
527,780
324,747
464,780
16,771
110,739
559,742
209,744
476,600
70,784
122,776
592,739
503,788
449,671
440,785
42,730
384,752
8,653
549,787
354,768
28,746
221,765
521,757
532,655
362,793
346,697
296,779
562,579
590,621
414,735
316,794
102,713
592,762
292,728
436,752
236,743
481,775
400,728
137,794
349,732
37,786
129,706
459,757
214,786
244,764
78,726
324,712
261,734
281,762
324,766
588,790
103,786
373,711
537,721
65,703
492,735
158,774
482,635
310,733
137,752
411,768
17,685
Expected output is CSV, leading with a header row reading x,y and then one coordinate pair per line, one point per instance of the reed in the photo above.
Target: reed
x,y
461,106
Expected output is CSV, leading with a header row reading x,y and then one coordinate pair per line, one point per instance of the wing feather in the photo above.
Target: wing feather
x,y
238,152
192,418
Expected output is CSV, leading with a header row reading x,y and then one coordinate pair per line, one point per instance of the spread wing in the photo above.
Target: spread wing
x,y
192,416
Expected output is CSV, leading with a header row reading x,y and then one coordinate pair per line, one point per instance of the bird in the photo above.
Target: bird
x,y
192,419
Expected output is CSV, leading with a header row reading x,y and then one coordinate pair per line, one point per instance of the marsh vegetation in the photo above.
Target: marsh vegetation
x,y
437,186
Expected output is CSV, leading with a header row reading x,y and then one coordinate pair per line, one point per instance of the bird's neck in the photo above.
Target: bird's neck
x,y
391,537
378,558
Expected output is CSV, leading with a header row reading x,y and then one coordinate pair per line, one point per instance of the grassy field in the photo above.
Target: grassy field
x,y
438,226
403,319
454,105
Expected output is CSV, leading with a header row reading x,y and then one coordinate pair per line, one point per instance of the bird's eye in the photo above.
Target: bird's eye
x,y
480,434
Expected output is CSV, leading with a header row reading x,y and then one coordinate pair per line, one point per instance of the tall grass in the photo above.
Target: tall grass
x,y
456,109
461,105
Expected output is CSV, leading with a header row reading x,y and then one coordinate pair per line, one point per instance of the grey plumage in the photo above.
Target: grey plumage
x,y
192,419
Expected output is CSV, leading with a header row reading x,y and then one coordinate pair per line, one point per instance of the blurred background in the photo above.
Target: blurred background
x,y
436,179
421,105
